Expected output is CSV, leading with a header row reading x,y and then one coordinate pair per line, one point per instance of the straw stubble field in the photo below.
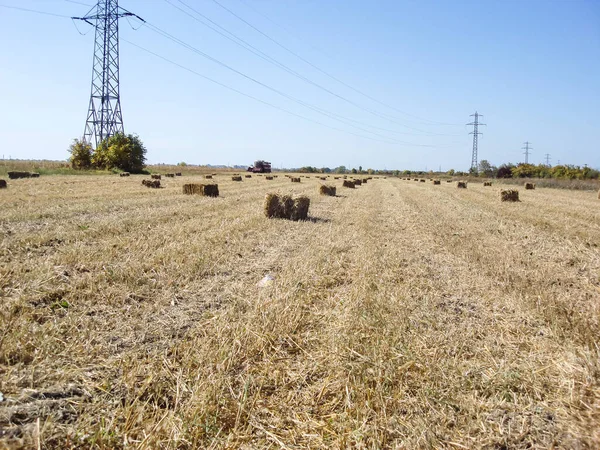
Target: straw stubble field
x,y
401,315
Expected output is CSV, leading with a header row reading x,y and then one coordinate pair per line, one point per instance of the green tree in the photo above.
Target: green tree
x,y
340,169
486,169
359,169
81,154
354,171
450,172
124,152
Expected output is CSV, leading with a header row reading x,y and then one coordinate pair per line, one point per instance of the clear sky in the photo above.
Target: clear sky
x,y
532,67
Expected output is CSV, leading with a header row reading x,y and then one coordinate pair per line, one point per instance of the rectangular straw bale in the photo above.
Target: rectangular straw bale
x,y
529,186
437,182
269,178
155,184
487,183
348,184
3,184
509,195
286,205
448,181
357,182
207,190
208,177
422,180
238,178
247,176
14,175
327,190
295,180
365,181
300,209
272,206
177,174
124,174
156,176
170,175
34,175
461,184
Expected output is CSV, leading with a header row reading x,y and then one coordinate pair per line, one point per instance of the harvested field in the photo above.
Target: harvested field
x,y
401,315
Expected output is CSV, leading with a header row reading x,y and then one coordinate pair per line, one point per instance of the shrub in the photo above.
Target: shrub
x,y
81,154
123,152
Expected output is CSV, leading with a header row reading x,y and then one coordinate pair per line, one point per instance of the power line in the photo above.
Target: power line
x,y
475,134
317,109
251,48
34,11
547,159
325,72
251,96
526,152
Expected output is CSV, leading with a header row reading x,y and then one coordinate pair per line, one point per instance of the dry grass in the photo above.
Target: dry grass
x,y
402,316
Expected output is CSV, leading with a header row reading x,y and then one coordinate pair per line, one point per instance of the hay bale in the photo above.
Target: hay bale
x,y
357,182
238,178
177,174
461,184
348,184
269,178
124,174
448,181
272,206
300,209
34,175
286,207
16,175
436,182
3,184
327,190
248,176
275,176
422,180
156,176
336,178
295,180
365,181
487,183
322,178
509,195
170,175
206,190
208,177
154,184
529,186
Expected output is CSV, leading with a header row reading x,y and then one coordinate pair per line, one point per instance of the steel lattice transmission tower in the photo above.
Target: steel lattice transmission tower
x,y
104,117
526,152
475,133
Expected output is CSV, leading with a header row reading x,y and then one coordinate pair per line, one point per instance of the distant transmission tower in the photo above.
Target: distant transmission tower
x,y
547,159
526,152
104,117
475,134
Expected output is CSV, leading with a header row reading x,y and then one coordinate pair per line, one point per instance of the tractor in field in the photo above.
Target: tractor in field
x,y
260,167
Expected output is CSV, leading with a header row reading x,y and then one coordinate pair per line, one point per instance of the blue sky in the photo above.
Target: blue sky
x,y
532,67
